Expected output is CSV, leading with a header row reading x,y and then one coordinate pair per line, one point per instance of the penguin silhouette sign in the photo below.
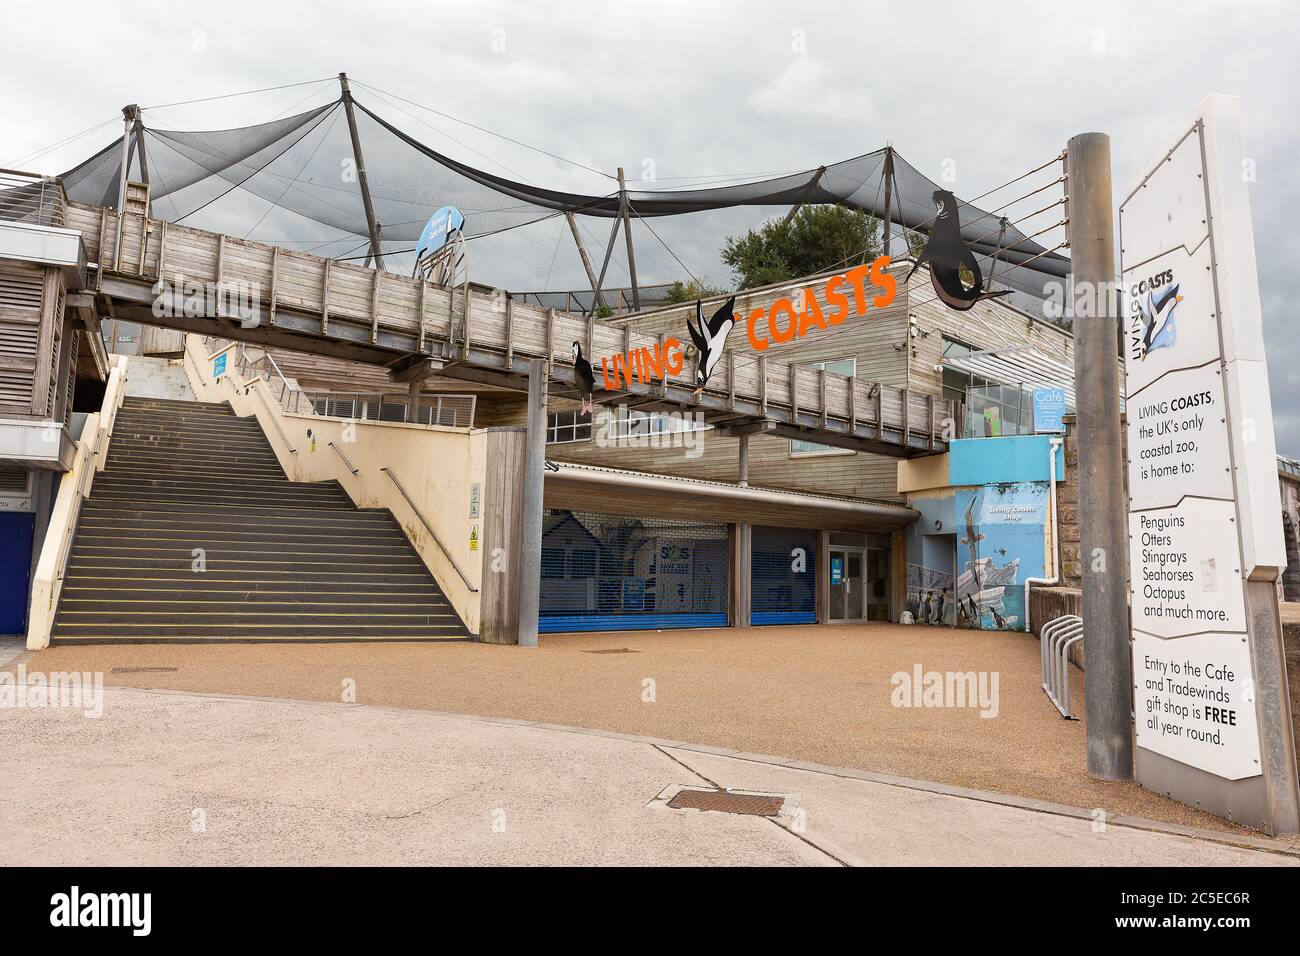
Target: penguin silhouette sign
x,y
710,338
948,255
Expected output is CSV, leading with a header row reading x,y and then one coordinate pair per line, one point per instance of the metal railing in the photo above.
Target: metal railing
x,y
338,451
454,411
32,198
291,398
1055,640
429,528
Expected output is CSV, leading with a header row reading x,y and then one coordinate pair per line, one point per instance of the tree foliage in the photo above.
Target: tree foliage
x,y
818,238
689,291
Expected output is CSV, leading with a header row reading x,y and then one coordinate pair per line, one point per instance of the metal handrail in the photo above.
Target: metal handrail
x,y
338,451
274,421
429,528
287,389
32,197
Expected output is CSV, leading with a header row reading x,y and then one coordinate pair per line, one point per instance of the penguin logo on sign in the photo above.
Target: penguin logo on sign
x,y
710,338
1156,313
947,254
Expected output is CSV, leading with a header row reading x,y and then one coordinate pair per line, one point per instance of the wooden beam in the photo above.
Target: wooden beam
x,y
325,298
510,331
275,284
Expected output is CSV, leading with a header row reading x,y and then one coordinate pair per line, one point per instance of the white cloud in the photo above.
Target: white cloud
x,y
807,87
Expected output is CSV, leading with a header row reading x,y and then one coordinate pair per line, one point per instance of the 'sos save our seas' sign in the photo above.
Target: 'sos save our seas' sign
x,y
1203,512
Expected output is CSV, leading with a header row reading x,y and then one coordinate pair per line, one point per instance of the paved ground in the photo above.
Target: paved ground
x,y
819,694
173,778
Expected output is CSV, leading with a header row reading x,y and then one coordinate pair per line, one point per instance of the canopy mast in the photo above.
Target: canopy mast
x,y
373,226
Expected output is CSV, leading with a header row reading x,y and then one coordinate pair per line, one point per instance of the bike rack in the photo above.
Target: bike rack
x,y
1055,640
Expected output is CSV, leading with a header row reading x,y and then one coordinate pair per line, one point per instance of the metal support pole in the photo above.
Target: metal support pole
x,y
586,261
530,544
361,171
1103,527
129,115
743,463
887,171
812,184
138,131
609,251
626,207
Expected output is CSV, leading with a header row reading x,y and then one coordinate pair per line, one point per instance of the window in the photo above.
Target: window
x,y
847,367
567,426
993,409
631,423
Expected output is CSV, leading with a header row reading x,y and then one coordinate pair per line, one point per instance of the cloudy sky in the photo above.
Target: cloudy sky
x,y
703,88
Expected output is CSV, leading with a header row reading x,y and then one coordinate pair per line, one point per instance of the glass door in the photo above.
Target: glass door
x,y
848,584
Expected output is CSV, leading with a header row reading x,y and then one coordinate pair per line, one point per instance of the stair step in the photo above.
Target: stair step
x,y
295,617
326,574
88,546
328,521
100,531
213,586
219,511
275,632
272,604
135,400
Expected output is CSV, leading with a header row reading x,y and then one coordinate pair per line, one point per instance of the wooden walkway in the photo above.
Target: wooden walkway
x,y
317,305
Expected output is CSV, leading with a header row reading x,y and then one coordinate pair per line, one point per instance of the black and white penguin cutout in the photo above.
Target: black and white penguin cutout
x,y
947,252
585,377
710,339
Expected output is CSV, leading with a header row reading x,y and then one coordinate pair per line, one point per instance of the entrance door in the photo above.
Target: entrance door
x,y
848,590
15,570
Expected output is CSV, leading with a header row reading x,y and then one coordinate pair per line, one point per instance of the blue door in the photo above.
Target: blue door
x,y
15,570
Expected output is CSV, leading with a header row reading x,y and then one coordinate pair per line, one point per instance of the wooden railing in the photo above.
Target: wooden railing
x,y
493,332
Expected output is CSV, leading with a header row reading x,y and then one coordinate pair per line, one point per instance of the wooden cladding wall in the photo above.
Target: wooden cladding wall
x,y
31,325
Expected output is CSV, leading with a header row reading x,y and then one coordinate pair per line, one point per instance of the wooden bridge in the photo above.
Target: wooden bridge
x,y
415,329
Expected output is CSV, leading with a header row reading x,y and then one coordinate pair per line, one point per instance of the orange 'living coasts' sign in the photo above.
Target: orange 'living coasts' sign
x,y
765,326
866,286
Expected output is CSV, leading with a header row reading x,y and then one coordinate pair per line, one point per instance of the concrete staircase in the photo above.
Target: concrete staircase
x,y
158,378
279,560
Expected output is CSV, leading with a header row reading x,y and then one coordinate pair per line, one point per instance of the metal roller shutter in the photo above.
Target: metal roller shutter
x,y
783,576
614,572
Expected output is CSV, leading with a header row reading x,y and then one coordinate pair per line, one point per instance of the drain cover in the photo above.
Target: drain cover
x,y
725,801
144,670
612,650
